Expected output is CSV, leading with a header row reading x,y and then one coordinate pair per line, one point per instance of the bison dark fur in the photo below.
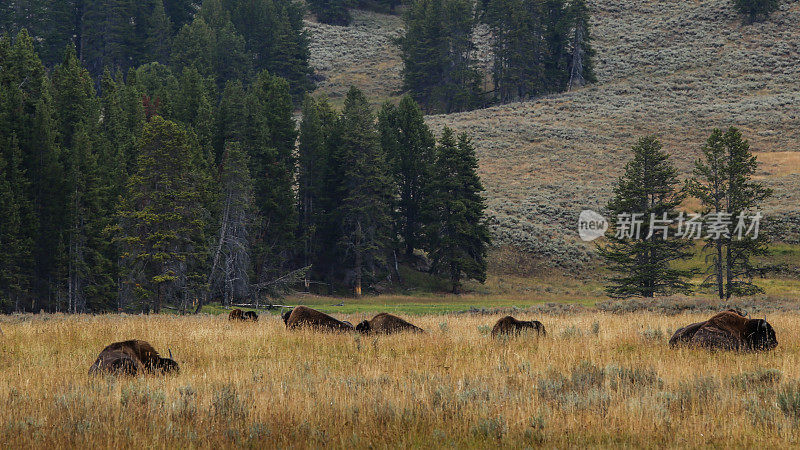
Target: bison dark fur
x,y
236,314
510,325
132,358
728,330
386,323
303,316
250,315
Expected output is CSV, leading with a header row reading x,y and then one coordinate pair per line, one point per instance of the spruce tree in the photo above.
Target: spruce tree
x,y
364,211
457,235
16,260
332,12
723,183
409,146
269,138
642,263
163,218
159,35
756,10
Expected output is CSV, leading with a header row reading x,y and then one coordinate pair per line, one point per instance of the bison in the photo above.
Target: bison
x,y
386,323
250,315
510,325
728,330
684,335
302,316
236,314
132,358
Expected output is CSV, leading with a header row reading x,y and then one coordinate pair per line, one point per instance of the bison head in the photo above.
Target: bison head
x,y
167,365
363,327
285,316
348,324
760,335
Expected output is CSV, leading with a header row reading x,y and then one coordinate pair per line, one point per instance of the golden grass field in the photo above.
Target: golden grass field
x,y
597,380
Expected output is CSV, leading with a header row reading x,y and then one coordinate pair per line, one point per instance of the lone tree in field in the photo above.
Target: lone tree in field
x,y
723,183
642,265
457,233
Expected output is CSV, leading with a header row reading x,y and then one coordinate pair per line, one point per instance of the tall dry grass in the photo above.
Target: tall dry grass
x,y
597,379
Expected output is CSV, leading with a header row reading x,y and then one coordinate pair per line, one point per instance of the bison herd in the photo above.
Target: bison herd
x,y
728,330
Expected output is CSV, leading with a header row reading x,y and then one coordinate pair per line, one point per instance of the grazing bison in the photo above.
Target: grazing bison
x,y
510,325
236,314
250,315
728,330
132,358
303,316
386,323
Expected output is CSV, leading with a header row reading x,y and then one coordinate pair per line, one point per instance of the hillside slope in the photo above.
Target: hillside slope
x,y
675,68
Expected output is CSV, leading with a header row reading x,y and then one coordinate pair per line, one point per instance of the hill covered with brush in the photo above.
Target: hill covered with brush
x,y
676,69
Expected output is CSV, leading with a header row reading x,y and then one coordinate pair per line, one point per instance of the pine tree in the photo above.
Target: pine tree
x,y
16,260
163,217
318,185
332,12
437,52
159,35
457,234
723,183
756,10
89,278
364,212
642,262
409,145
269,140
581,63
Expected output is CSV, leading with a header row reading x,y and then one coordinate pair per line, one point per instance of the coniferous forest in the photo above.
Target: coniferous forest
x,y
150,157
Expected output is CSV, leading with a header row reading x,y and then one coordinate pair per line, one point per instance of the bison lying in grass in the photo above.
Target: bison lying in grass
x,y
386,323
132,358
510,325
728,330
302,316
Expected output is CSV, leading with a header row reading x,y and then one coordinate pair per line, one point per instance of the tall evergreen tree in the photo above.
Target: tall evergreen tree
x,y
641,262
457,234
332,12
163,218
159,34
364,211
16,260
723,183
437,54
409,146
756,10
269,139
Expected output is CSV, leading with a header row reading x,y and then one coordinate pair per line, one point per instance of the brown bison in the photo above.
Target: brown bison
x,y
386,323
728,330
132,358
250,315
302,316
236,314
510,325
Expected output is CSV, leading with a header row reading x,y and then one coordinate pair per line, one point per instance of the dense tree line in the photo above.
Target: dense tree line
x,y
539,47
161,189
223,39
642,254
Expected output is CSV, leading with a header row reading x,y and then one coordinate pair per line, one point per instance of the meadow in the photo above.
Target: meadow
x,y
597,379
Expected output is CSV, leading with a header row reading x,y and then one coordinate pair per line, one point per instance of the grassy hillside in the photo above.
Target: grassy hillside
x,y
675,68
